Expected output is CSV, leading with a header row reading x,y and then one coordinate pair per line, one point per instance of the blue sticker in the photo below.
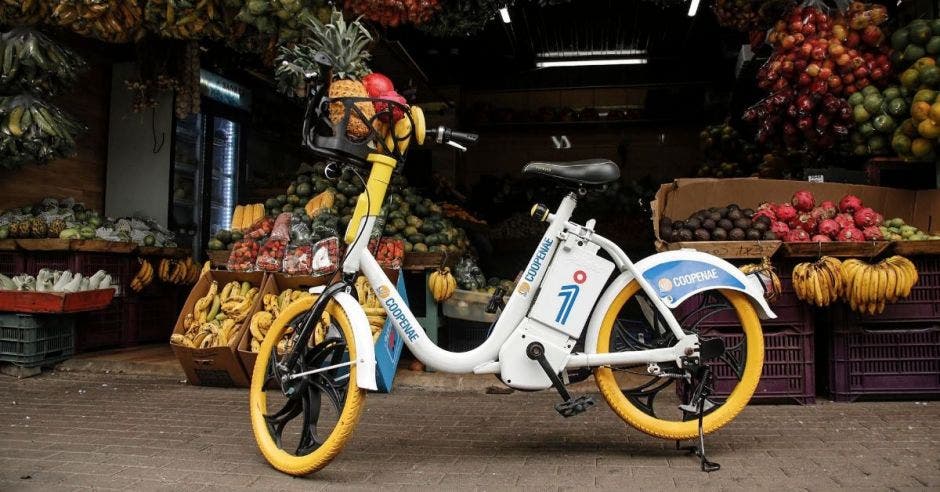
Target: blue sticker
x,y
674,280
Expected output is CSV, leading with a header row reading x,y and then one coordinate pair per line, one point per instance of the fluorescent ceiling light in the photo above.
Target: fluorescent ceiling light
x,y
693,8
577,54
588,62
504,13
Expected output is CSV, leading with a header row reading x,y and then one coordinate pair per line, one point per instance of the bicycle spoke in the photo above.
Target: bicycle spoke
x,y
311,410
330,390
278,420
643,398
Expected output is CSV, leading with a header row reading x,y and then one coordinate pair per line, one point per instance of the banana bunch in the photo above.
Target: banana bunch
x,y
217,316
179,272
184,19
23,12
32,62
819,283
32,131
870,286
273,306
767,274
144,276
372,306
113,21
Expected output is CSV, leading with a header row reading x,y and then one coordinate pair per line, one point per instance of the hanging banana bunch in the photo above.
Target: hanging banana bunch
x,y
768,275
184,19
144,276
870,286
23,12
819,283
32,62
111,21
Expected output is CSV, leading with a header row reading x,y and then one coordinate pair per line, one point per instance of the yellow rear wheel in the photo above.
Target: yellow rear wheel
x,y
335,392
626,389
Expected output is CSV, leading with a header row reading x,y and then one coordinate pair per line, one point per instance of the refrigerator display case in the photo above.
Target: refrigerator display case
x,y
208,162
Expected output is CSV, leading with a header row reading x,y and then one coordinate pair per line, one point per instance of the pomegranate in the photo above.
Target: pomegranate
x,y
844,220
780,229
785,212
803,221
397,112
864,217
377,84
849,204
850,234
803,200
872,233
819,214
797,236
829,227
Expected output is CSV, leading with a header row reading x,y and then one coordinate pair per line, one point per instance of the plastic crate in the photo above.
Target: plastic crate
x,y
100,329
464,335
55,260
149,319
11,263
117,265
469,305
36,340
884,360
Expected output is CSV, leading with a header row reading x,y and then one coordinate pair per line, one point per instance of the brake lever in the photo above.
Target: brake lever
x,y
456,145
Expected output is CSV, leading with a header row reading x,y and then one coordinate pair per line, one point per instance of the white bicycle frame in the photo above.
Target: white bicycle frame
x,y
484,358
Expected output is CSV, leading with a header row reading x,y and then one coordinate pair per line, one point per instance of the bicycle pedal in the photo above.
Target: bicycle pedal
x,y
574,406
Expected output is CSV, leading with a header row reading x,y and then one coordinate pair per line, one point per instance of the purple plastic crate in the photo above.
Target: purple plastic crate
x,y
11,263
55,260
96,330
884,360
149,319
789,363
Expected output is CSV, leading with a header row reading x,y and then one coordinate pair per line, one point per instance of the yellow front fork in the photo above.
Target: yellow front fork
x,y
376,186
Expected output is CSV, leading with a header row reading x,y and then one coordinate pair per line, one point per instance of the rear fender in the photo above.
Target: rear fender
x,y
677,276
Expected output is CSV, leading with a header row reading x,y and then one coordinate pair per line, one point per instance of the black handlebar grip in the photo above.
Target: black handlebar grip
x,y
462,137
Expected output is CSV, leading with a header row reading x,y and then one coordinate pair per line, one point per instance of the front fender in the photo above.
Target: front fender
x,y
676,276
362,334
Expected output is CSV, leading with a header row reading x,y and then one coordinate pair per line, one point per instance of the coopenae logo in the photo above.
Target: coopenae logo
x,y
383,291
524,288
665,285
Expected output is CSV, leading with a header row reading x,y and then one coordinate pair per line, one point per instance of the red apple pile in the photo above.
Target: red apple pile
x,y
802,220
817,59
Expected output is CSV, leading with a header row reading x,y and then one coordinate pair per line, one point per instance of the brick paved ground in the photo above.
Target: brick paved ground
x,y
67,431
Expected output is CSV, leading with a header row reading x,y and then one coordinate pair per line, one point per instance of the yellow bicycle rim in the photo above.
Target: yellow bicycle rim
x,y
257,401
674,429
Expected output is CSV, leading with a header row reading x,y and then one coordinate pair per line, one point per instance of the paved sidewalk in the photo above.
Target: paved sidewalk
x,y
65,431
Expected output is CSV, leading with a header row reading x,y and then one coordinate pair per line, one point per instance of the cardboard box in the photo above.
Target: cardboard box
x,y
679,199
388,347
216,366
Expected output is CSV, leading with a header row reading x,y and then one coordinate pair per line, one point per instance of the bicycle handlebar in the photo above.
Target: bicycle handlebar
x,y
460,140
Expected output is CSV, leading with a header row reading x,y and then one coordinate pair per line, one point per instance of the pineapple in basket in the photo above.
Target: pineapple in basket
x,y
345,44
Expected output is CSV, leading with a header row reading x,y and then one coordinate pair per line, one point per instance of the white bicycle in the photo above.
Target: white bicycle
x,y
653,368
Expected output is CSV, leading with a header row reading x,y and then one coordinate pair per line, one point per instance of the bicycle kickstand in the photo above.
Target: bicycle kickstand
x,y
702,392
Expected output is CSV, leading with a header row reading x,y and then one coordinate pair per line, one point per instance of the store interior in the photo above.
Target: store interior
x,y
173,142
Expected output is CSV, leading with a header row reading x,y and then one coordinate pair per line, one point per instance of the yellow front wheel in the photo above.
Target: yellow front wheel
x,y
301,426
664,405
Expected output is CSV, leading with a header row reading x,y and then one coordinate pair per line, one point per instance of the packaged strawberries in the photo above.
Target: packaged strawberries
x,y
390,252
326,257
298,260
242,258
281,228
260,229
271,255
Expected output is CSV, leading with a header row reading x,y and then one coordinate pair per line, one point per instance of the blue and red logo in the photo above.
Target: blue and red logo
x,y
569,293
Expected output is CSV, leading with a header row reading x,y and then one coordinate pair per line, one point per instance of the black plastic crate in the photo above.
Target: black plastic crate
x,y
149,319
884,360
36,340
11,263
96,330
54,260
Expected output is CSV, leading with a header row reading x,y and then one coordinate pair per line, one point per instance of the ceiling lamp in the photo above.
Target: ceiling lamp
x,y
550,59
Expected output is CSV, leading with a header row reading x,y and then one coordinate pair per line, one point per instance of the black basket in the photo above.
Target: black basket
x,y
333,139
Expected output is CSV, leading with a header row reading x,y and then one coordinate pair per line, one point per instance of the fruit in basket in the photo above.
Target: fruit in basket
x,y
56,227
849,234
803,201
864,217
217,317
868,287
442,284
377,84
345,44
382,107
819,283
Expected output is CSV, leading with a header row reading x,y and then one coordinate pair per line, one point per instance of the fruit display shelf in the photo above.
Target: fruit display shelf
x,y
853,249
725,249
916,248
55,302
7,245
426,261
